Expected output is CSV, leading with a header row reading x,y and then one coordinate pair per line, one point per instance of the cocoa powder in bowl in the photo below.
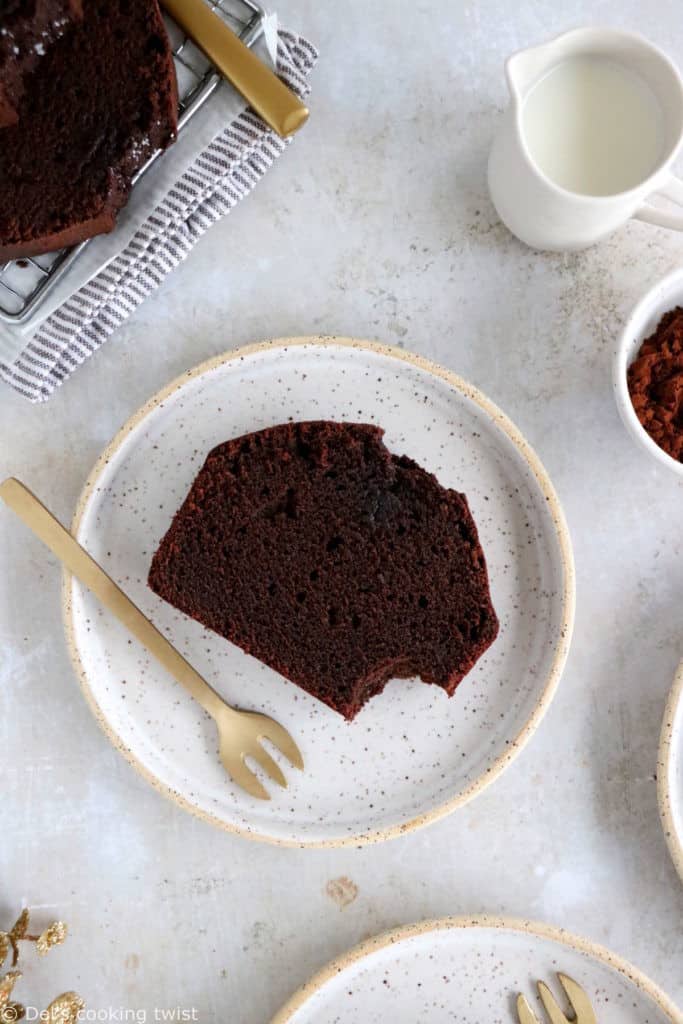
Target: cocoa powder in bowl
x,y
655,384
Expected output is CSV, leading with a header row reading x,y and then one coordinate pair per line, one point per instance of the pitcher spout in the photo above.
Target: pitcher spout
x,y
524,68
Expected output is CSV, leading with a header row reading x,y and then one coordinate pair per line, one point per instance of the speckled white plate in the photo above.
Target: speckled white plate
x,y
470,970
412,754
670,771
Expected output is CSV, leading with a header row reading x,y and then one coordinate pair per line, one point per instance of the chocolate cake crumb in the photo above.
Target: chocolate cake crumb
x,y
335,562
27,30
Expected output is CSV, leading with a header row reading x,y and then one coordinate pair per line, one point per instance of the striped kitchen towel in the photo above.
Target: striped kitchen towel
x,y
220,176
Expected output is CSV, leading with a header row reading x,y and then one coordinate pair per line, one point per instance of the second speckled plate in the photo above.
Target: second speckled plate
x,y
670,771
470,970
412,754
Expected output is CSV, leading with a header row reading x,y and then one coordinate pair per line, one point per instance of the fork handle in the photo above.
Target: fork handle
x,y
262,89
77,560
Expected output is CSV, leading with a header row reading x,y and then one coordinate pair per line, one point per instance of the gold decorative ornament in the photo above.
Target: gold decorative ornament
x,y
62,1010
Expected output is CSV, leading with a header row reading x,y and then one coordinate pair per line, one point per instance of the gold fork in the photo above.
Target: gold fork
x,y
262,89
239,732
578,1000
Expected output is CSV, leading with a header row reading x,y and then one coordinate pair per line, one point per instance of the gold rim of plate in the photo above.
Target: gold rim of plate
x,y
537,928
674,707
566,556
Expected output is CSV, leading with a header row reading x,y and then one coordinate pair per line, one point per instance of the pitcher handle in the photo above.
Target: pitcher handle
x,y
672,189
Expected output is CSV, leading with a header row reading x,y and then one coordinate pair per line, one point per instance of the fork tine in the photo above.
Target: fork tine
x,y
245,778
551,1007
579,1001
270,767
524,1011
281,739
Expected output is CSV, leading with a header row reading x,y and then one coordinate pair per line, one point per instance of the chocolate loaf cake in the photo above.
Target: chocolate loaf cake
x,y
340,565
99,101
28,28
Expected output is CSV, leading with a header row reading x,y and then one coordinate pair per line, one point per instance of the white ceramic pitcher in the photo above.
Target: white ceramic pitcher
x,y
541,212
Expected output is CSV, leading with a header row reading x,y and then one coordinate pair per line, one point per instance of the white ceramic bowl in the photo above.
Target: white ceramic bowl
x,y
666,294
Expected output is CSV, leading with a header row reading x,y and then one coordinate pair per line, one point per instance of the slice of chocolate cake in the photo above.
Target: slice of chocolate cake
x,y
99,101
28,28
340,565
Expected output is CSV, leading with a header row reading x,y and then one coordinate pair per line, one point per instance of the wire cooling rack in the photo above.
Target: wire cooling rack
x,y
27,282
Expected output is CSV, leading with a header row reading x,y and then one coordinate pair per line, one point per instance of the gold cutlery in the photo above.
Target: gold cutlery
x,y
583,1012
239,732
264,91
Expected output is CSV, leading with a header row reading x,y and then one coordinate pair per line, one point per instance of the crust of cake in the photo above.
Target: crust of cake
x,y
102,224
